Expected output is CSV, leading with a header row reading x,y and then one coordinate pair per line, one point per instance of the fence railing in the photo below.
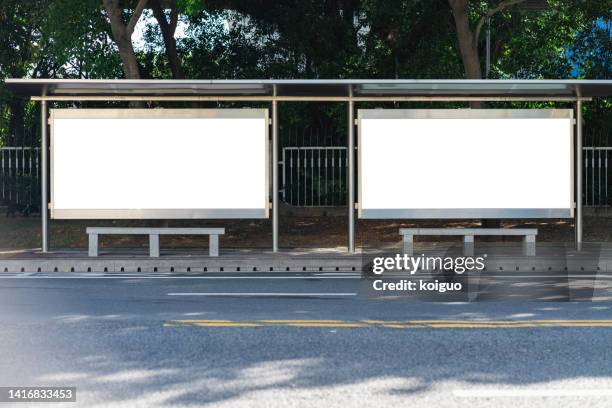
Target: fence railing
x,y
315,176
19,175
597,177
312,176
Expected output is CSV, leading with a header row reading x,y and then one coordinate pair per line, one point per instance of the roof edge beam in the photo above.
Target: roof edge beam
x,y
235,98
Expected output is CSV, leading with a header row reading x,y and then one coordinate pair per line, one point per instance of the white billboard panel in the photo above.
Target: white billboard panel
x,y
480,163
159,163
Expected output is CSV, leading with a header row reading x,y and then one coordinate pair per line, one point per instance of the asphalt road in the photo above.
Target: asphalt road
x,y
304,340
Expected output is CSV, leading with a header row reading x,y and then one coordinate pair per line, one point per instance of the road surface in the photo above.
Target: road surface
x,y
301,340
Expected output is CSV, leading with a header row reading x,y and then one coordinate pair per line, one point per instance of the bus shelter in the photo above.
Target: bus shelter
x,y
349,92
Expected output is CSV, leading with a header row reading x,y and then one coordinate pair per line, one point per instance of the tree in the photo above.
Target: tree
x,y
468,38
168,29
20,55
400,40
122,34
78,41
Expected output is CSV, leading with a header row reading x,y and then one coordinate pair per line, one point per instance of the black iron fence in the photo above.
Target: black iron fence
x,y
597,177
20,176
315,175
311,175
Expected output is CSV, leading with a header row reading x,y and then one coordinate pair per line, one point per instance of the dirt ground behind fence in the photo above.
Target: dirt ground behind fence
x,y
295,232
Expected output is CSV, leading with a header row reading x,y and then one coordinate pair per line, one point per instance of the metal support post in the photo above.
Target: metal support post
x,y
274,176
351,174
44,155
578,175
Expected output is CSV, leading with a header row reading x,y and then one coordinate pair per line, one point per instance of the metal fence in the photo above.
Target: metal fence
x,y
312,176
20,175
315,176
313,163
597,170
597,176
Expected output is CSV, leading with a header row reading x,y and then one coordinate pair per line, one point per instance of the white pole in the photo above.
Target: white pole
x,y
351,174
44,154
579,175
274,176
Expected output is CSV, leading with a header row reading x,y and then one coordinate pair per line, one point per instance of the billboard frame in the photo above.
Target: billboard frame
x,y
465,213
164,213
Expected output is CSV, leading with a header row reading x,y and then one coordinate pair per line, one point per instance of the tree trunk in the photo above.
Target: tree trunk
x,y
468,45
175,62
468,37
122,34
468,48
131,68
168,29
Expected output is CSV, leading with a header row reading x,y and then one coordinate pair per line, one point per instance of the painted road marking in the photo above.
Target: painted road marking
x,y
133,276
253,294
514,392
394,324
319,276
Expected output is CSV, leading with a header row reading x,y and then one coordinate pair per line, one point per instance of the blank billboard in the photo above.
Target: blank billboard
x,y
467,163
159,163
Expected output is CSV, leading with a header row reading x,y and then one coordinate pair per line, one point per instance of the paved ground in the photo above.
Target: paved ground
x,y
293,340
295,231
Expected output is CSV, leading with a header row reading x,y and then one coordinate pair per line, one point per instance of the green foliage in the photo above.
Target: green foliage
x,y
410,39
302,39
20,56
78,41
191,7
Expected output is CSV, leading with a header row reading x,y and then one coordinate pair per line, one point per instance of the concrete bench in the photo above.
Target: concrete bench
x,y
154,234
468,237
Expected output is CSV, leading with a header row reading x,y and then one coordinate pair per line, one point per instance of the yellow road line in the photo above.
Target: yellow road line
x,y
237,324
401,326
483,326
326,325
510,321
301,321
201,321
393,324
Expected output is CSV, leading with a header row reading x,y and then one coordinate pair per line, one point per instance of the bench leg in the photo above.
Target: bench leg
x,y
468,245
409,245
529,245
213,245
154,246
93,245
